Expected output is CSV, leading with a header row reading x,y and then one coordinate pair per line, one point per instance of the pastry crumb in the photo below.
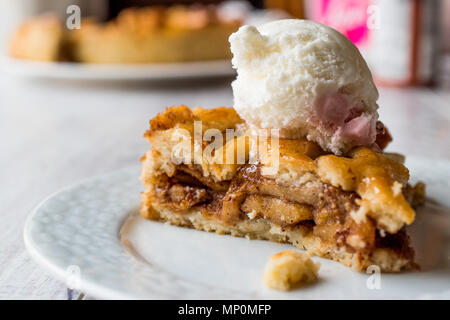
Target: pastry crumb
x,y
397,189
287,269
252,214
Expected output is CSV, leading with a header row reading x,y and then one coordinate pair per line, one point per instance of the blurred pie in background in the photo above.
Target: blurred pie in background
x,y
137,35
41,38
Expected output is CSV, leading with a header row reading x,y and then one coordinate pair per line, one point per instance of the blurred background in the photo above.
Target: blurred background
x,y
406,42
55,131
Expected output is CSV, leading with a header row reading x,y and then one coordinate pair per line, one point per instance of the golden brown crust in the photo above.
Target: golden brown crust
x,y
137,35
388,259
171,117
377,179
149,19
287,269
317,193
38,38
143,20
156,35
220,118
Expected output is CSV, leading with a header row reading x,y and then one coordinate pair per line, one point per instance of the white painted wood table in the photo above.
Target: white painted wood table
x,y
53,134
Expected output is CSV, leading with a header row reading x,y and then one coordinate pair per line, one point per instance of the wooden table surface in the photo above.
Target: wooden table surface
x,y
55,134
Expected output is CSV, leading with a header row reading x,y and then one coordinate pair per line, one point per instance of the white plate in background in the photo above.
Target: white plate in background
x,y
75,234
99,72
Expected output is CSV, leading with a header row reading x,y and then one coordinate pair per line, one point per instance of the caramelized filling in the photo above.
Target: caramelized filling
x,y
318,206
377,179
281,212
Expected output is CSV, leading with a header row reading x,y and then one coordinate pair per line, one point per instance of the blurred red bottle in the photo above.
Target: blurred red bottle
x,y
397,37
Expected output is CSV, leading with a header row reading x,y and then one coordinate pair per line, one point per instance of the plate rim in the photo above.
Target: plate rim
x,y
115,72
89,286
94,289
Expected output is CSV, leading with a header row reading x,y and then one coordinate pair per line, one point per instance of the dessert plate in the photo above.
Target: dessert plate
x,y
91,236
79,71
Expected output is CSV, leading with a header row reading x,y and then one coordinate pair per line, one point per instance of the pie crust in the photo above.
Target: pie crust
x,y
144,35
353,209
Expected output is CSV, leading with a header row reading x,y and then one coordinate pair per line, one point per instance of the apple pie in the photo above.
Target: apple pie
x,y
137,35
351,208
39,39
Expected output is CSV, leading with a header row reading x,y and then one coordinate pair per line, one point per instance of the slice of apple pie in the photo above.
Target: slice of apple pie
x,y
351,208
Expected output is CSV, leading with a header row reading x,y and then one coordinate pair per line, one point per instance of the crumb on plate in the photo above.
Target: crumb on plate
x,y
289,268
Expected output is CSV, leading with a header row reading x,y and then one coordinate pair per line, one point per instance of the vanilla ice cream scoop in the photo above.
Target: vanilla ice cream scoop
x,y
307,80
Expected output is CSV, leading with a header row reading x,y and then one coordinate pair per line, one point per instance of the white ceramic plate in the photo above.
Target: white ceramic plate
x,y
75,234
78,71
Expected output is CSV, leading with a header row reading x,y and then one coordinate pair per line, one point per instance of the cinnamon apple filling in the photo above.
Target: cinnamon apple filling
x,y
322,209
